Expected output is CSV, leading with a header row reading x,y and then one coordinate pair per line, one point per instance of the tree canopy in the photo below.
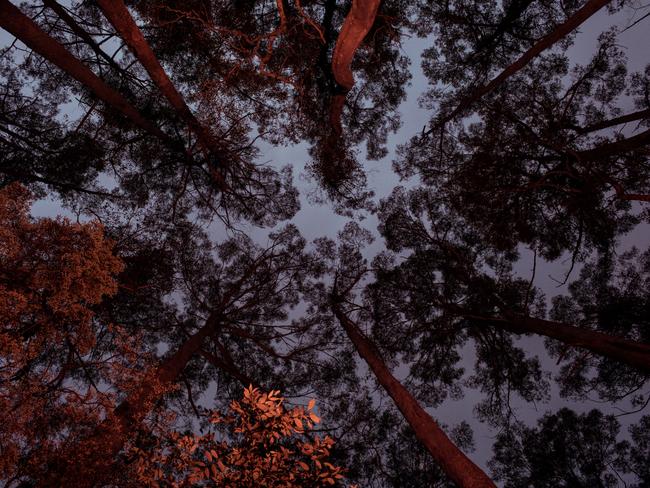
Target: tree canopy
x,y
190,318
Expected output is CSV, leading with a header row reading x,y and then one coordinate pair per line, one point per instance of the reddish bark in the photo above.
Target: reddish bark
x,y
561,31
21,26
336,111
452,461
356,26
634,197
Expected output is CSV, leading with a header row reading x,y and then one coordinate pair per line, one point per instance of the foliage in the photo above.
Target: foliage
x,y
261,443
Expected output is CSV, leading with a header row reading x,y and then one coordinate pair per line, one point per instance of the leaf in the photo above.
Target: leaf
x,y
311,404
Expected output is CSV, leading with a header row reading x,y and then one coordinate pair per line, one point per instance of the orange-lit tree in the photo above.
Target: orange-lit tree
x,y
52,273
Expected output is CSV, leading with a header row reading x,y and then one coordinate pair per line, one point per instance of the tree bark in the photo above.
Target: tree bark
x,y
21,26
561,31
453,462
355,27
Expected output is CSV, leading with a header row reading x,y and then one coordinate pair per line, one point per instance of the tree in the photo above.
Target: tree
x,y
282,57
146,120
23,28
452,460
552,186
53,274
566,449
587,10
248,190
230,311
457,285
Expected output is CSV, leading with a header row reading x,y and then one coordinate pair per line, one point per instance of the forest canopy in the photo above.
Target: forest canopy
x,y
373,243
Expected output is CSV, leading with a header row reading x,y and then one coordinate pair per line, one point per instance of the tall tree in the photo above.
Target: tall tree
x,y
580,16
453,462
243,310
551,185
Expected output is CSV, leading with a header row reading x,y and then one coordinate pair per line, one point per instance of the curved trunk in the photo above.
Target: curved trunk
x,y
356,26
452,460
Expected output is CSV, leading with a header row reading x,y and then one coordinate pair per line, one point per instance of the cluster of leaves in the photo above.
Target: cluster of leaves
x,y
262,443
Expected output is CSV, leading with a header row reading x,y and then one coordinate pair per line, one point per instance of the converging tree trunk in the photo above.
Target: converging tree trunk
x,y
452,460
561,31
120,18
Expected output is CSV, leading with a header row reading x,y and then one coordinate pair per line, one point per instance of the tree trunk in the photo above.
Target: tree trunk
x,y
453,462
356,26
617,147
561,31
118,15
634,354
21,26
623,119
